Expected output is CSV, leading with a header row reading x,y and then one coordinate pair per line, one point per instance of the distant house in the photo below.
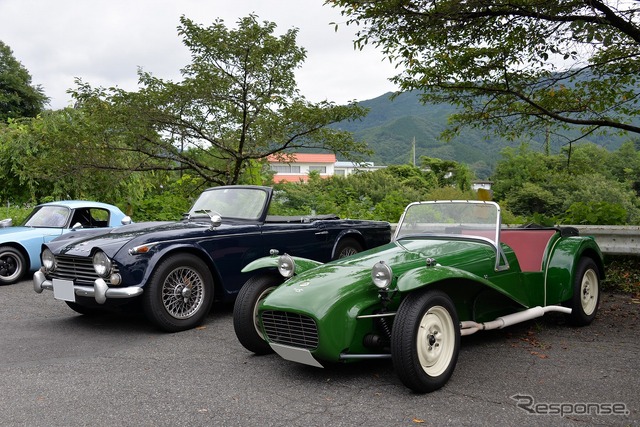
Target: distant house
x,y
298,169
347,168
479,184
325,164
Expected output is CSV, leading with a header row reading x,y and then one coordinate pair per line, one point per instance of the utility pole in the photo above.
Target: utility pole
x,y
414,150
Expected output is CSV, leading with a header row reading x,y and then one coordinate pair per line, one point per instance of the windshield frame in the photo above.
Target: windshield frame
x,y
454,219
232,202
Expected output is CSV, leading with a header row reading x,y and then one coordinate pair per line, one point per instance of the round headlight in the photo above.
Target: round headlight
x,y
101,264
48,260
381,275
286,266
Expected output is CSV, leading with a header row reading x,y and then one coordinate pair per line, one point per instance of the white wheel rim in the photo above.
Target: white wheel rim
x,y
435,341
589,292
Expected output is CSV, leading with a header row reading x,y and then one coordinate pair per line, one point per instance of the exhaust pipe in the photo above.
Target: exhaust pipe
x,y
469,327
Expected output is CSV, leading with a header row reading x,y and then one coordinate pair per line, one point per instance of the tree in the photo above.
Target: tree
x,y
18,97
519,66
236,104
533,184
44,156
448,172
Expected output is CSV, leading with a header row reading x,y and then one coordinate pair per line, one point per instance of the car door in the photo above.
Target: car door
x,y
305,239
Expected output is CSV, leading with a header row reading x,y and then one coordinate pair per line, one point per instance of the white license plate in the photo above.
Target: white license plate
x,y
63,290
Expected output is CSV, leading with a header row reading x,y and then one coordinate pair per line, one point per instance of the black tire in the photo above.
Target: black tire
x,y
13,265
346,247
586,293
245,311
84,310
179,293
425,341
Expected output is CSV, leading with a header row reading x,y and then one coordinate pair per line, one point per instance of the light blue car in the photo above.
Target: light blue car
x,y
20,246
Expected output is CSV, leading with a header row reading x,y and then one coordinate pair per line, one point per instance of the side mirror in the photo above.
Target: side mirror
x,y
126,220
76,226
216,221
6,223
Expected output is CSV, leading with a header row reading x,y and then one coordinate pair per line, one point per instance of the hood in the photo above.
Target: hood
x,y
111,240
323,288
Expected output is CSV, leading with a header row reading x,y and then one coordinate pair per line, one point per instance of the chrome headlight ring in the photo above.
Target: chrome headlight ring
x,y
286,266
381,275
102,264
48,260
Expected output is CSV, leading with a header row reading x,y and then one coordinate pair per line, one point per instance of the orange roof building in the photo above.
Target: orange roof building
x,y
298,169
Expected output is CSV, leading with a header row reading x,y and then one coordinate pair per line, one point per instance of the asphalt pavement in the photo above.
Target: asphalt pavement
x,y
59,368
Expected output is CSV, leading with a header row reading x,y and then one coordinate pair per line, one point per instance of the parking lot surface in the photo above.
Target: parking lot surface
x,y
58,368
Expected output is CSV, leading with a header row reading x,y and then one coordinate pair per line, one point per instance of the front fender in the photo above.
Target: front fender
x,y
302,264
467,290
422,276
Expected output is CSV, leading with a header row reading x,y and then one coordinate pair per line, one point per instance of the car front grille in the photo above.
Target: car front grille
x,y
290,329
79,269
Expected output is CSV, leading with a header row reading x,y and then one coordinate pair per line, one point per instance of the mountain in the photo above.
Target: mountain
x,y
392,125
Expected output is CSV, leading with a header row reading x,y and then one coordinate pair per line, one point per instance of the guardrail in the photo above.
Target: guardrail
x,y
614,239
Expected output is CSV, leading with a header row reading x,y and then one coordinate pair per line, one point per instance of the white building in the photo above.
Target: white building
x,y
301,164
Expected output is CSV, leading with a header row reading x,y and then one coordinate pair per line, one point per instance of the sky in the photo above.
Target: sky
x,y
104,42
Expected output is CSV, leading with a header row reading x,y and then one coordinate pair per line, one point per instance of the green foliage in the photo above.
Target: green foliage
x,y
53,155
236,104
18,97
532,198
448,173
496,60
17,213
592,186
166,202
595,213
381,195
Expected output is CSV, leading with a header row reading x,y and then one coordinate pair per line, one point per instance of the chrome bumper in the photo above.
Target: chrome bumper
x,y
100,291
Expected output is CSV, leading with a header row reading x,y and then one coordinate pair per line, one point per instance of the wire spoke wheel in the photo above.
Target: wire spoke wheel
x,y
183,293
179,294
347,247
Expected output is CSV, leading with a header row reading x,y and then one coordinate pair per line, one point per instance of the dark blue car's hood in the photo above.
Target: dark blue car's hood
x,y
81,243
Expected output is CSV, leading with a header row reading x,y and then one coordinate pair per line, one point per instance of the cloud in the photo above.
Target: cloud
x,y
103,42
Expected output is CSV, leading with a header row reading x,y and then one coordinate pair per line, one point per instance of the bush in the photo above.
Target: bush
x,y
595,213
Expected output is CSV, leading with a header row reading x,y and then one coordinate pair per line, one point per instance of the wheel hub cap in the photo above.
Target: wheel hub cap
x,y
186,292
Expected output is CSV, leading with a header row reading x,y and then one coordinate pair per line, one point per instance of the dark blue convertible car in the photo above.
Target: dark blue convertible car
x,y
176,269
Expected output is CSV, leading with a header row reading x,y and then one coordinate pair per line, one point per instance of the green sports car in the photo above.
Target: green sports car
x,y
450,270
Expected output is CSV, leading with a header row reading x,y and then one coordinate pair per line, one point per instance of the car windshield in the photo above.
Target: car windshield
x,y
48,216
460,218
243,203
